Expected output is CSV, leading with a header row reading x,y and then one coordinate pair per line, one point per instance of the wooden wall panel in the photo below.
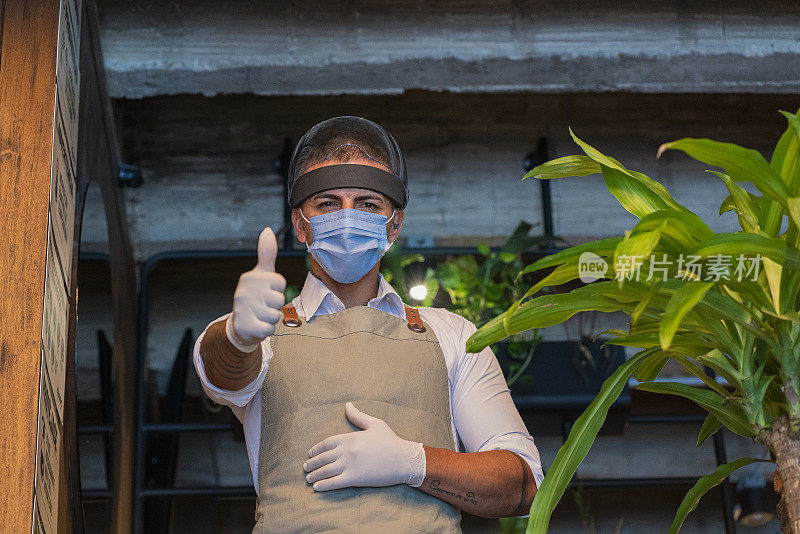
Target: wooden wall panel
x,y
27,94
2,9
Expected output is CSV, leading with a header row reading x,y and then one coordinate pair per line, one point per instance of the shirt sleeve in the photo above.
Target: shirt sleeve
x,y
237,400
485,417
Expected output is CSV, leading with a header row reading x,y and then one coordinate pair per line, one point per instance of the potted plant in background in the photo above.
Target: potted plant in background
x,y
728,301
479,291
476,288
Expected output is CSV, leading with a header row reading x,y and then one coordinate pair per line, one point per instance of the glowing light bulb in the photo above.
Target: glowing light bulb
x,y
418,292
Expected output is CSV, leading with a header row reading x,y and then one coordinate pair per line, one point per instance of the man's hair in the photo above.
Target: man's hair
x,y
344,149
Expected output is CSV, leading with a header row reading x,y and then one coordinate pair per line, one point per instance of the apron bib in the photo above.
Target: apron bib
x,y
388,370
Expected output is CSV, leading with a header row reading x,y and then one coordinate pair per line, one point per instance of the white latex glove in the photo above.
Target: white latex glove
x,y
375,456
258,299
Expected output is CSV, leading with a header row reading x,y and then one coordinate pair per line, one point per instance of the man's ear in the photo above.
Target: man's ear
x,y
395,225
299,225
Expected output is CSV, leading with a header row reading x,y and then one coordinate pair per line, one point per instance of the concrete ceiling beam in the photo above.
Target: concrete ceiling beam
x,y
295,48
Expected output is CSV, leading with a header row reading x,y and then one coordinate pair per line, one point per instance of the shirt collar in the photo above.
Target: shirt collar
x,y
317,299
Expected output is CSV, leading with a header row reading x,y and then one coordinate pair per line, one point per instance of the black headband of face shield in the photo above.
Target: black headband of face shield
x,y
348,175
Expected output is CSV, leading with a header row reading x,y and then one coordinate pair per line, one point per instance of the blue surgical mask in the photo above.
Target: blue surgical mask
x,y
348,242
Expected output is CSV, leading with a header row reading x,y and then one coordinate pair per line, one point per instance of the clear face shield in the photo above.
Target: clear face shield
x,y
347,152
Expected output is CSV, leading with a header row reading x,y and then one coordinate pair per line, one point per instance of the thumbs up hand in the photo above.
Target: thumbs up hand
x,y
258,298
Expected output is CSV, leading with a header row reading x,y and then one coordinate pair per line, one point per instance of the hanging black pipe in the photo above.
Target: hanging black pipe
x,y
534,159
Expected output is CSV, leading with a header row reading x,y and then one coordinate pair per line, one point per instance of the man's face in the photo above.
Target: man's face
x,y
347,197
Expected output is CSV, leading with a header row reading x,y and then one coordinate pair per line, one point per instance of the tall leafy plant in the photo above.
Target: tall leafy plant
x,y
728,301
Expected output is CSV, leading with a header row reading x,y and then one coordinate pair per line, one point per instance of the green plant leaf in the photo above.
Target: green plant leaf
x,y
786,157
704,484
564,168
786,162
681,303
746,209
723,366
408,259
794,122
741,164
770,218
790,290
710,425
637,193
714,306
643,303
507,257
652,365
687,344
750,245
597,156
602,247
520,241
793,207
546,310
730,415
432,287
636,247
692,368
682,226
484,249
641,341
561,275
581,437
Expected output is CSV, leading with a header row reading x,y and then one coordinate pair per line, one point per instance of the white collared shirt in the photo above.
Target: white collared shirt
x,y
483,416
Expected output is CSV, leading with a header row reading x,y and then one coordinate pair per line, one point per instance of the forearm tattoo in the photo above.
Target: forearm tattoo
x,y
435,485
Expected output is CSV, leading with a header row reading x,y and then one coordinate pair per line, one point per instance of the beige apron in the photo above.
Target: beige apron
x,y
375,360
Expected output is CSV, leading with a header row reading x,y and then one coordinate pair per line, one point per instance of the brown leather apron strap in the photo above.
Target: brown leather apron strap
x,y
290,317
414,321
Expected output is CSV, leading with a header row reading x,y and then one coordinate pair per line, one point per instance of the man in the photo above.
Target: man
x,y
357,408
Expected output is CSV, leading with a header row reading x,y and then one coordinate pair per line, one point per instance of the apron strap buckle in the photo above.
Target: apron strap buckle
x,y
414,322
290,317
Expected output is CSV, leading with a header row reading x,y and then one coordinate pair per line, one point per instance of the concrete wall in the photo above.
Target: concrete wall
x,y
243,46
210,180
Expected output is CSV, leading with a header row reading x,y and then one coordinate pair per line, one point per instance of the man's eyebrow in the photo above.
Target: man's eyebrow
x,y
320,196
369,197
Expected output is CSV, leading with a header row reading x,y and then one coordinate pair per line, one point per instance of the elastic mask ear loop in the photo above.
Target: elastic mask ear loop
x,y
387,222
309,224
